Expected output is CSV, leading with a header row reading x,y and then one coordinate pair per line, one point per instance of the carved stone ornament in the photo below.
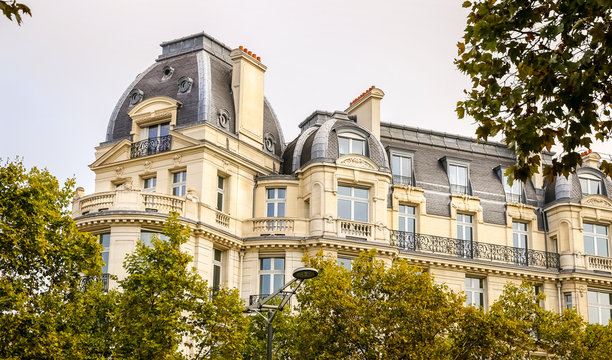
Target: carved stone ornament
x,y
177,159
357,162
119,170
147,165
329,219
597,201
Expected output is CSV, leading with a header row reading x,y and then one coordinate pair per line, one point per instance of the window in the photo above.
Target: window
x,y
595,239
220,193
179,180
458,178
149,184
275,202
216,280
514,193
520,242
146,237
271,275
568,300
590,185
537,290
600,307
159,130
407,218
465,232
345,262
158,139
349,143
104,240
353,203
401,168
474,292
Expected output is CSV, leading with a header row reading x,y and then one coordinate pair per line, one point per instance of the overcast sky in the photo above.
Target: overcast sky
x,y
66,66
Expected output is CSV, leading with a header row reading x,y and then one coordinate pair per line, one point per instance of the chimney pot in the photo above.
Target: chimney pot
x,y
241,47
258,58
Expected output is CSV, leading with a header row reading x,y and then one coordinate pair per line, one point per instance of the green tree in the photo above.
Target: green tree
x,y
44,311
11,8
541,73
164,303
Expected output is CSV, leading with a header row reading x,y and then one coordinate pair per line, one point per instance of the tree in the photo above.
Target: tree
x,y
541,73
43,257
12,8
164,304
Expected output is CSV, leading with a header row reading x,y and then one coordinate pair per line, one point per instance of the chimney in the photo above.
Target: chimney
x,y
591,158
248,89
367,109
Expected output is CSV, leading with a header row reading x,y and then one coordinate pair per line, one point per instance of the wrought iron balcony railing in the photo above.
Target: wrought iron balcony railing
x,y
150,146
468,249
459,189
402,180
514,198
86,280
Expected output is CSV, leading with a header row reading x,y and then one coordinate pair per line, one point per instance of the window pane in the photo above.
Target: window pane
x,y
220,201
468,233
105,240
264,281
410,210
411,225
468,297
468,218
395,165
152,132
266,263
602,246
344,209
216,276
271,193
452,174
402,224
279,263
602,230
344,190
402,209
462,175
358,147
220,182
361,211
105,259
588,228
406,166
589,245
279,281
280,210
361,193
343,144
165,129
281,193
592,297
217,255
270,209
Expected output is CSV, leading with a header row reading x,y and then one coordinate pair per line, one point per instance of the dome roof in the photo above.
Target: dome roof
x,y
197,71
318,141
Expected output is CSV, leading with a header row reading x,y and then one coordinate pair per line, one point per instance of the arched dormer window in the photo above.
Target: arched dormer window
x,y
591,182
352,143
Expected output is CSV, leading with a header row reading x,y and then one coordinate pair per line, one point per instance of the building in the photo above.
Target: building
x,y
194,134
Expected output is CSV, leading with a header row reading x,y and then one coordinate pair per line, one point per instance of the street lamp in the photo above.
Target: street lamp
x,y
286,291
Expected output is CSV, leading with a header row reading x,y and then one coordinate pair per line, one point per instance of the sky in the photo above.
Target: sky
x,y
66,66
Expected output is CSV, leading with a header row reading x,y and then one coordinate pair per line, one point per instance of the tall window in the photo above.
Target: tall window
x,y
465,232
158,130
520,242
407,218
349,143
568,300
590,185
105,242
149,184
271,275
600,307
179,181
595,239
220,193
345,262
458,178
353,203
474,292
514,193
401,168
146,237
216,280
275,202
158,139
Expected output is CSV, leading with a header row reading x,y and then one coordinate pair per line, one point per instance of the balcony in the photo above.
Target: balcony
x,y
598,263
402,180
128,200
467,249
459,189
150,146
356,229
514,198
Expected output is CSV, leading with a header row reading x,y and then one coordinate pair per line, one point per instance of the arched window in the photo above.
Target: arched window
x,y
351,143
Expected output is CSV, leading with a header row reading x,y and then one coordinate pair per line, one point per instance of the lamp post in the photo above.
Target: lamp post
x,y
286,291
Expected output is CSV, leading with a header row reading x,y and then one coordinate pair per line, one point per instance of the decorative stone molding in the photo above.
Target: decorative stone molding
x,y
147,165
519,211
177,159
597,201
119,170
466,203
357,162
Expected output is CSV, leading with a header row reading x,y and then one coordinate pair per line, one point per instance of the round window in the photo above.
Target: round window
x,y
167,72
135,96
223,120
269,144
185,84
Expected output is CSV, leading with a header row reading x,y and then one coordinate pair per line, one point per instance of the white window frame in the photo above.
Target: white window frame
x,y
220,198
587,182
275,203
405,216
353,200
181,185
568,299
453,172
520,240
514,193
600,307
352,137
271,274
597,238
105,250
158,130
397,170
463,224
147,181
475,294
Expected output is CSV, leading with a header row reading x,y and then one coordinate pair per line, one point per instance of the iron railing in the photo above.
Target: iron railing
x,y
402,180
86,280
459,189
514,198
407,241
150,146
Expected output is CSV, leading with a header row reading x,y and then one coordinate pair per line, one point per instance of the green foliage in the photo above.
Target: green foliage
x,y
44,312
164,303
541,75
11,8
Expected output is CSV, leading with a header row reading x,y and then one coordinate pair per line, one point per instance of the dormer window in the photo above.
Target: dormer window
x,y
590,185
401,168
514,193
349,143
458,178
